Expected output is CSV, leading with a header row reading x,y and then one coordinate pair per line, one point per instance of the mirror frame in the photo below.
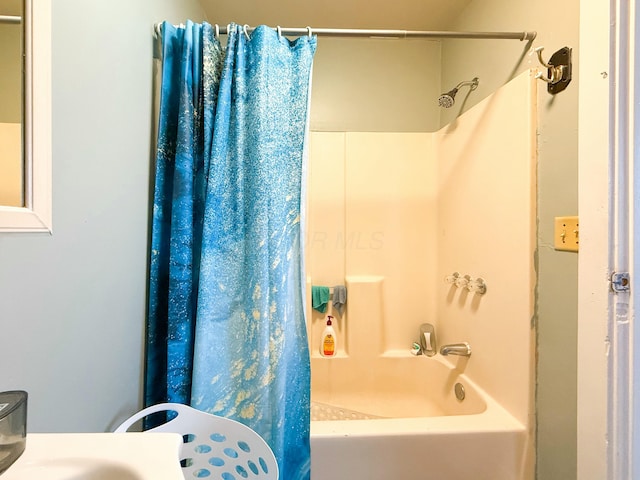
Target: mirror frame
x,y
36,215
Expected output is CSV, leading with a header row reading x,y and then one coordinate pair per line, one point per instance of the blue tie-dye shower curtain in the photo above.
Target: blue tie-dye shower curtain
x,y
226,329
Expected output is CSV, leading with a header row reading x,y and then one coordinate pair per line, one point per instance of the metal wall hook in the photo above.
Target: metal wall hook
x,y
558,69
539,50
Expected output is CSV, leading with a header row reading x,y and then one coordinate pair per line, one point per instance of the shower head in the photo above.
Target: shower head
x,y
446,100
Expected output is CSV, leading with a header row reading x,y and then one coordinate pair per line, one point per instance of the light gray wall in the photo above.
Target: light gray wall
x,y
495,62
72,304
376,85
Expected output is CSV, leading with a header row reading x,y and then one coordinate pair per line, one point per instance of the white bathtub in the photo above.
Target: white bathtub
x,y
407,423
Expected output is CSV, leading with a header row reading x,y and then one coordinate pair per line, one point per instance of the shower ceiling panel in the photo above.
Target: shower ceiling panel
x,y
377,14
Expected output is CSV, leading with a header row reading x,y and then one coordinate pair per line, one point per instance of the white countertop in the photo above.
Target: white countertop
x,y
98,456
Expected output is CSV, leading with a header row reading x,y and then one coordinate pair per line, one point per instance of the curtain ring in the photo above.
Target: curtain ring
x,y
216,33
246,31
309,30
279,30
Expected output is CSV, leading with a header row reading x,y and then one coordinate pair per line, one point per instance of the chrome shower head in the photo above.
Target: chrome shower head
x,y
446,100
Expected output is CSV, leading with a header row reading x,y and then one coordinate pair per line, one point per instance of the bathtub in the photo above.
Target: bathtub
x,y
397,416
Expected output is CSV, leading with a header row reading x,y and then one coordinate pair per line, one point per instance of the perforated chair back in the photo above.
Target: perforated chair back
x,y
214,447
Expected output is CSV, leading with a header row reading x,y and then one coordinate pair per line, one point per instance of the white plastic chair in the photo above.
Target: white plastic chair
x,y
214,447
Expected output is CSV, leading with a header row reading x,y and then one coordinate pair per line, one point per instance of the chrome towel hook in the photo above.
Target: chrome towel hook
x,y
558,69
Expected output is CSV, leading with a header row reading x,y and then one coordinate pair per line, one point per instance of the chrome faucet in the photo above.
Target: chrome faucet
x,y
463,349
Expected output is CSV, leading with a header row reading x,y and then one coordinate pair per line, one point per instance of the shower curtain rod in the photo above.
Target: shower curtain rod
x,y
354,32
10,19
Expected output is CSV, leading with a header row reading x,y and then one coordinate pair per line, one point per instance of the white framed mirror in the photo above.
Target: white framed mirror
x,y
34,213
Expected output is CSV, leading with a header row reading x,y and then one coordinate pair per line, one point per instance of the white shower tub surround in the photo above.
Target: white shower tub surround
x,y
401,419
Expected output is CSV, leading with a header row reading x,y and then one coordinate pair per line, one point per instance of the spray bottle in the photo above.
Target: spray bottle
x,y
328,345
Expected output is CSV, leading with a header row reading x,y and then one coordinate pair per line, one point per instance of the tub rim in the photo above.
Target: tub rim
x,y
495,418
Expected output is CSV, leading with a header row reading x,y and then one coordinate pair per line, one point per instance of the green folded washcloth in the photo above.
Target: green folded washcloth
x,y
320,298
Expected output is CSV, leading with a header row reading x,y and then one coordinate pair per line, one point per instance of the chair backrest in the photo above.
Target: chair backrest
x,y
214,447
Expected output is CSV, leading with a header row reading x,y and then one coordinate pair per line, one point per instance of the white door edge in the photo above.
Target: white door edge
x,y
609,147
595,261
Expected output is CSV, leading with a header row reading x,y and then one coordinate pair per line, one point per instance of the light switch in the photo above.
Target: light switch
x,y
566,234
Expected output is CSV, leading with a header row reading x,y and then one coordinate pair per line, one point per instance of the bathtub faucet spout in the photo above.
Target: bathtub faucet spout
x,y
462,349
